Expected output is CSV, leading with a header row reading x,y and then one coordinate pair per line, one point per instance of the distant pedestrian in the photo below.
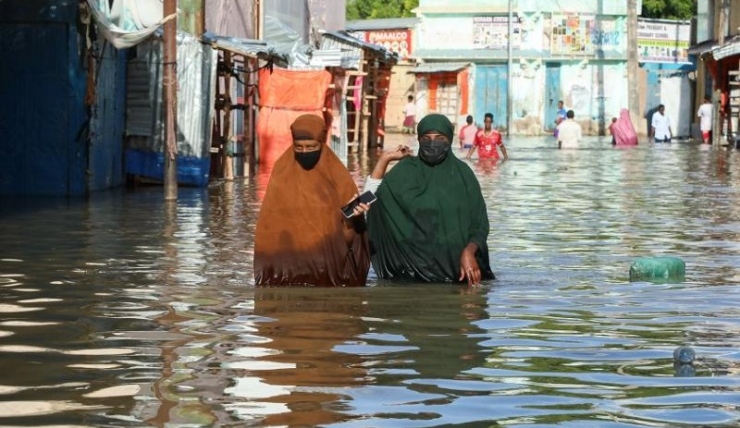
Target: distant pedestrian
x,y
569,132
660,126
611,131
559,117
488,141
409,113
705,115
467,133
623,132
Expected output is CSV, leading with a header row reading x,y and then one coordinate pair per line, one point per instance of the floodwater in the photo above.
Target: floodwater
x,y
123,311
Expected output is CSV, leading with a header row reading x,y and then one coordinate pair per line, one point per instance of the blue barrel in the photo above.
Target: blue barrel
x,y
658,269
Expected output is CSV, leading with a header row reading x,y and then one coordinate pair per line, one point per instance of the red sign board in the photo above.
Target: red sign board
x,y
398,41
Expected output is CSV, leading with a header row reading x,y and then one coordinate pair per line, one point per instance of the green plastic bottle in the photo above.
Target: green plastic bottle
x,y
658,269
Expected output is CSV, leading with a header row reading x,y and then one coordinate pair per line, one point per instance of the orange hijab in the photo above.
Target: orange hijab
x,y
299,238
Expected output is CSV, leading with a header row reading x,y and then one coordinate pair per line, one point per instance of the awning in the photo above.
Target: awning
x,y
439,67
342,37
730,48
247,47
703,47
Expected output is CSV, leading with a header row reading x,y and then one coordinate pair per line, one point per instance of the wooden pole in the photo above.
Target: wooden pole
x,y
226,149
719,111
169,89
249,152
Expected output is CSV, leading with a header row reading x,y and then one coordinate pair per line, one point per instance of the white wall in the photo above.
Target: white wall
x,y
675,94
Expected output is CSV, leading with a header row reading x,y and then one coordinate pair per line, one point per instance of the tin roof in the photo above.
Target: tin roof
x,y
247,47
730,48
438,67
502,55
703,47
343,38
381,24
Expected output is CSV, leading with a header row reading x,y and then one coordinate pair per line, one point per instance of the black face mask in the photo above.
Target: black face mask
x,y
308,160
433,152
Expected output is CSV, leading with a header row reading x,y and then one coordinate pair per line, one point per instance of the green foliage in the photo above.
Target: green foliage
x,y
669,9
377,9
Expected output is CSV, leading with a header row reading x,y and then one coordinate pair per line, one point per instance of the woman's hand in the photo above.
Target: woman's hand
x,y
469,266
359,210
400,153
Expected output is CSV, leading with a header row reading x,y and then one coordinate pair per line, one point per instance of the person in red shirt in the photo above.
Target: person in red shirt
x,y
487,141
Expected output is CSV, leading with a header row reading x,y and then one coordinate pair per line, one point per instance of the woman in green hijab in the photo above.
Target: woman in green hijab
x,y
430,221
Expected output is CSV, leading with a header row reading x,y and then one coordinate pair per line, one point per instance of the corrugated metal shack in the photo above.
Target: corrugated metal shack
x,y
61,101
397,35
144,141
363,81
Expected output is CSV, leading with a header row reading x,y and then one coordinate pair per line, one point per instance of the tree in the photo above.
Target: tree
x,y
669,9
377,9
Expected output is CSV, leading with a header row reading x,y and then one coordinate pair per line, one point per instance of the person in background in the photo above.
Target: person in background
x,y
409,114
705,115
560,117
488,141
660,126
467,133
302,238
430,222
569,132
611,131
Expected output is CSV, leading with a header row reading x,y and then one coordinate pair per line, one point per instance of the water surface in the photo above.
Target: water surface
x,y
122,310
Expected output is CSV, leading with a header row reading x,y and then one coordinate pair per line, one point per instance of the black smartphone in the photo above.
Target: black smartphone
x,y
366,198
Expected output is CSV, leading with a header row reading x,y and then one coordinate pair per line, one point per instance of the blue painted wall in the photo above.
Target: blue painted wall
x,y
490,94
45,139
552,87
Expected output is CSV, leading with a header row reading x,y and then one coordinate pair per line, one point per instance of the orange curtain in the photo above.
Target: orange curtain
x,y
433,84
285,95
462,84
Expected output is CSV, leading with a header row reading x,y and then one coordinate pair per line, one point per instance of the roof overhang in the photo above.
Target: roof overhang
x,y
703,47
439,67
729,48
379,51
247,47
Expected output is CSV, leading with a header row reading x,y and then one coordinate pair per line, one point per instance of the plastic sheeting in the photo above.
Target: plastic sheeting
x,y
127,22
231,18
196,76
285,95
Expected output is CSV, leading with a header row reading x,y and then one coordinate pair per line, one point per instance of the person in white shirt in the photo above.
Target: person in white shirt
x,y
569,132
705,115
660,126
409,116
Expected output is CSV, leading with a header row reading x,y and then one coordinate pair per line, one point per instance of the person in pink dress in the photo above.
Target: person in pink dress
x,y
488,141
467,134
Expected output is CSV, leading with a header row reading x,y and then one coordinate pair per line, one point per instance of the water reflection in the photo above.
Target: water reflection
x,y
318,356
122,310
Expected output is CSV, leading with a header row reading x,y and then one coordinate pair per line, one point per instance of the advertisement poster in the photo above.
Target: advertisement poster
x,y
661,41
492,32
571,34
398,41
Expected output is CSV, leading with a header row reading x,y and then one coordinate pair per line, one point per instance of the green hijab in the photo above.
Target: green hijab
x,y
424,217
436,122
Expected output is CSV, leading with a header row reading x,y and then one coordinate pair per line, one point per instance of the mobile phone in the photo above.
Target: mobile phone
x,y
366,198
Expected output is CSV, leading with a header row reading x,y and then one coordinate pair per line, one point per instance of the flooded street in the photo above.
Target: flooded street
x,y
122,311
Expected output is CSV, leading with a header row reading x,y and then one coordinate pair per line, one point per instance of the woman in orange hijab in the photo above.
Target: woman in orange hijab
x,y
302,237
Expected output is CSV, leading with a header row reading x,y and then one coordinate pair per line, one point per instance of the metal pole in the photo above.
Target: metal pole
x,y
509,74
633,92
169,89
